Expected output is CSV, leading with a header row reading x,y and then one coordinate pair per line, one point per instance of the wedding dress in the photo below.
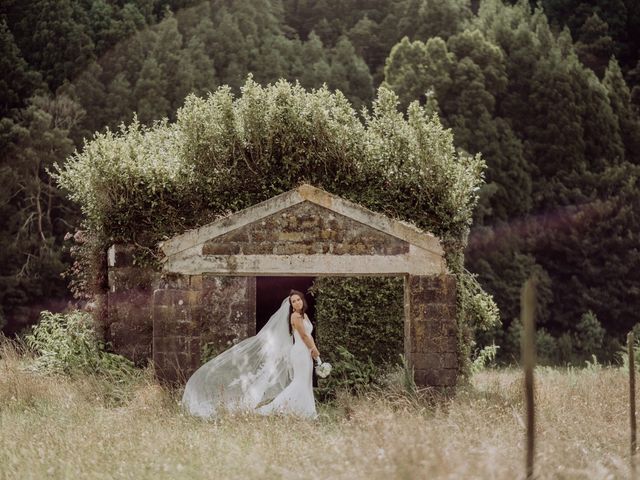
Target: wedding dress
x,y
297,398
268,367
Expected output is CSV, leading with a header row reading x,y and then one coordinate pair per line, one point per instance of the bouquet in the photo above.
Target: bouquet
x,y
323,369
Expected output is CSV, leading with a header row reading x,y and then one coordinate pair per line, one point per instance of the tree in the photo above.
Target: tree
x,y
620,100
150,92
594,45
167,53
33,214
52,38
18,80
350,74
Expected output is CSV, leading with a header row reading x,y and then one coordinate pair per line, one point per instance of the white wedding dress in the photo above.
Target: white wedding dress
x,y
297,398
268,367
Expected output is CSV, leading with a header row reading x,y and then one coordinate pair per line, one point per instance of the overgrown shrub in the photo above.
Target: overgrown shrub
x,y
67,344
364,315
589,335
348,374
485,358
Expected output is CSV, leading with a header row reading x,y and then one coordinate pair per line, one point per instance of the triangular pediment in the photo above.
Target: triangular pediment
x,y
342,221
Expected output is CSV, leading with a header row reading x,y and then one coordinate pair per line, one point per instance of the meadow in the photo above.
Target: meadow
x,y
83,427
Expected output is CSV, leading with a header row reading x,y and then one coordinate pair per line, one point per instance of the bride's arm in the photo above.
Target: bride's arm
x,y
306,338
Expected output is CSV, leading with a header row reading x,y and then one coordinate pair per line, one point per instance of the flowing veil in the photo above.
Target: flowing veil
x,y
254,370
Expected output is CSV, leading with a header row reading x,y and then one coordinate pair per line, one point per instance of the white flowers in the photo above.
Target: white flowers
x,y
323,369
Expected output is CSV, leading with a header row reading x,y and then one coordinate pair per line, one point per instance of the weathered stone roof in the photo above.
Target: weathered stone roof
x,y
210,247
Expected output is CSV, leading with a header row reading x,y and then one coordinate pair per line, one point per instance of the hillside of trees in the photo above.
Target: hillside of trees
x,y
549,95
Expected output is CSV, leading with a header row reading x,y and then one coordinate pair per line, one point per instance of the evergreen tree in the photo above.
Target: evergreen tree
x,y
316,70
167,53
590,252
627,116
18,81
149,92
118,101
594,45
350,74
52,40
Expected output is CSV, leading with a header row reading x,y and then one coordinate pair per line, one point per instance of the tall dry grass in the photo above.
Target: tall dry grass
x,y
61,428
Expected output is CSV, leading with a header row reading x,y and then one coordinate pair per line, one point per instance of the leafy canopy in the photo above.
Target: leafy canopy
x,y
224,154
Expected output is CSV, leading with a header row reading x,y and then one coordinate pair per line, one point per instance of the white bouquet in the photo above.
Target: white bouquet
x,y
323,369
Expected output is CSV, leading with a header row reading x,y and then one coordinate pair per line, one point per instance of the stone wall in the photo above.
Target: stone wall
x,y
199,315
127,322
173,319
305,228
431,345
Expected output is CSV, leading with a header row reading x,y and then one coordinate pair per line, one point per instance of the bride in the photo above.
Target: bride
x,y
270,372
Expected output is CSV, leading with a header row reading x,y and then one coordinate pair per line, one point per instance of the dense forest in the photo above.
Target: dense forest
x,y
548,93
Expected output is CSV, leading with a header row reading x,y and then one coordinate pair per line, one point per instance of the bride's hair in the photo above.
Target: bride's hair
x,y
304,307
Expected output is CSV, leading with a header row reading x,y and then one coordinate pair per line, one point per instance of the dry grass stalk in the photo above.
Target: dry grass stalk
x,y
528,304
632,401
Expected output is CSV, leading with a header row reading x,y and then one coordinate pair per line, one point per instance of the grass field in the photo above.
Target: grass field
x,y
55,427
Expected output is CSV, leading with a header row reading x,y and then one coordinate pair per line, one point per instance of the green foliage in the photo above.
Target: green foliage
x,y
589,334
480,310
546,347
363,315
348,373
486,357
224,154
622,354
31,256
67,344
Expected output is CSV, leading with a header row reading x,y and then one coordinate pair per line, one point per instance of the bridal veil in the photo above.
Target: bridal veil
x,y
250,372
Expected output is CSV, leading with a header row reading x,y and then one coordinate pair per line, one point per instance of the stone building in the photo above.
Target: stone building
x,y
205,294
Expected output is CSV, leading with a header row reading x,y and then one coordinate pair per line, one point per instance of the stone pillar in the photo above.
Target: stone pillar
x,y
430,334
128,326
199,315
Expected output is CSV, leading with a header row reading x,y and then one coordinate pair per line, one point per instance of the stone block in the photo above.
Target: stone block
x,y
442,377
438,289
417,337
130,278
265,248
181,299
172,321
177,344
321,248
241,235
290,236
259,236
138,352
450,344
220,248
174,281
293,249
449,360
398,248
448,377
437,311
195,282
426,361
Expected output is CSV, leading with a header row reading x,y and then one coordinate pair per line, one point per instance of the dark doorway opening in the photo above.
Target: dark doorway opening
x,y
270,291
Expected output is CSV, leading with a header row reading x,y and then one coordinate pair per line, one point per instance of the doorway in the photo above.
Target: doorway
x,y
270,291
